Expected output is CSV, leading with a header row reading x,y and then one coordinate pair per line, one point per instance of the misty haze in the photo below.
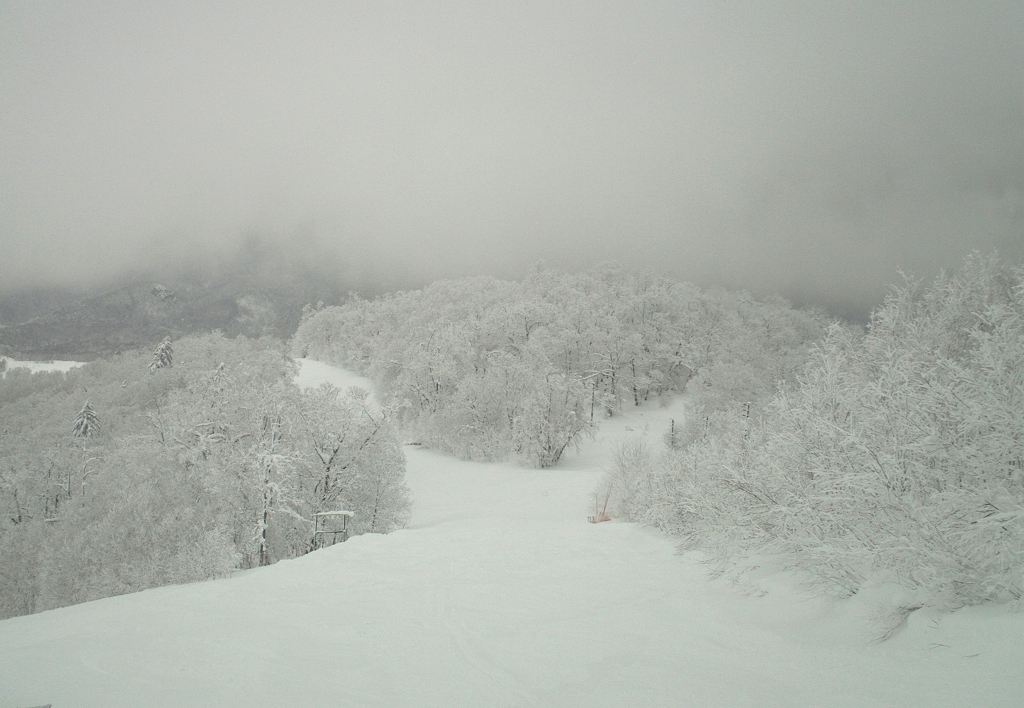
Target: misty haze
x,y
470,354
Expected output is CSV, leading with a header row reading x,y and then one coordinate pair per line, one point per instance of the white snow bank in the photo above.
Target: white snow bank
x,y
35,366
501,594
313,374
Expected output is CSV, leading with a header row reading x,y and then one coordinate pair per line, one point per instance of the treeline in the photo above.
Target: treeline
x,y
487,369
898,456
148,469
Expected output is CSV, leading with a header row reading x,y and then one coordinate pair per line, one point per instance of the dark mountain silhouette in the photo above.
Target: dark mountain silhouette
x,y
259,291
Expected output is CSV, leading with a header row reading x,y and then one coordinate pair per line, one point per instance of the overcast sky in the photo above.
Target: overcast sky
x,y
807,147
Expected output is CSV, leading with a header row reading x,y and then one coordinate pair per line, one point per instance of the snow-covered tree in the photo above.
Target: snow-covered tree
x,y
202,469
87,424
352,461
484,368
163,355
896,457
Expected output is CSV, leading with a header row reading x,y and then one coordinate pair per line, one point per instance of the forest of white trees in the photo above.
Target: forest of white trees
x,y
846,455
123,474
897,456
202,457
489,369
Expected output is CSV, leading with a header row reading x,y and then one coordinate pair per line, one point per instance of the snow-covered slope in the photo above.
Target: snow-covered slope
x,y
35,366
501,594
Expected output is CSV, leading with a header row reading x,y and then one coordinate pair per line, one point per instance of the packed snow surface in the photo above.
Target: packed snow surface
x,y
500,593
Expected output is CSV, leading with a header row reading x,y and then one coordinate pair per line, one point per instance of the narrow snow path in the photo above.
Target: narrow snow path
x,y
500,594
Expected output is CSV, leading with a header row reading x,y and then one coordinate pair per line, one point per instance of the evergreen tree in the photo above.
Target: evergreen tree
x,y
163,355
87,423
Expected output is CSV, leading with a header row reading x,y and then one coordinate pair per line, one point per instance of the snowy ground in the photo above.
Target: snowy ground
x,y
501,594
35,366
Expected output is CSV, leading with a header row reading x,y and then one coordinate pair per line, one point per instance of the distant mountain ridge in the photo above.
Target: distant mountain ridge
x,y
43,324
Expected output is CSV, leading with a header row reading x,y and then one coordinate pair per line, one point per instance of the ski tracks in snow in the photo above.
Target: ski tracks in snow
x,y
479,655
499,595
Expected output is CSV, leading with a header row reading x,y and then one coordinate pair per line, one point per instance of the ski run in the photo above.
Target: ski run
x,y
500,593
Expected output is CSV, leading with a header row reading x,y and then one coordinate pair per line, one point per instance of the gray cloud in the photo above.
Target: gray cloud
x,y
814,148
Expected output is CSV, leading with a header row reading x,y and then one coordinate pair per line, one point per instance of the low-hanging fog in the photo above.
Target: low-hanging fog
x,y
808,148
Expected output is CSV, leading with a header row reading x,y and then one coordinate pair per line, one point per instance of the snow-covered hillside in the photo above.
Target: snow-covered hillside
x,y
499,593
35,366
